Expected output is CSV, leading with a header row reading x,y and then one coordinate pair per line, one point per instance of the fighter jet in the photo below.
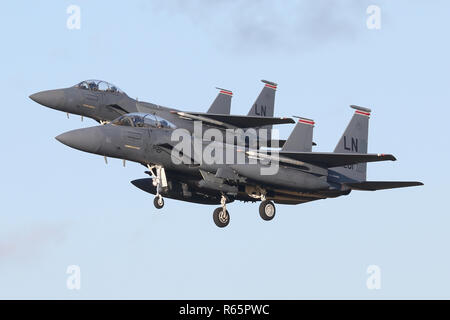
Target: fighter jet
x,y
300,176
104,102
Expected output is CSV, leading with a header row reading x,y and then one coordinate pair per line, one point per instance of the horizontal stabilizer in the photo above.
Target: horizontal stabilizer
x,y
236,121
331,159
381,185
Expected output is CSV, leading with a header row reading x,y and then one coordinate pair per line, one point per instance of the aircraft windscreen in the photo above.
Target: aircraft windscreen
x,y
143,120
98,85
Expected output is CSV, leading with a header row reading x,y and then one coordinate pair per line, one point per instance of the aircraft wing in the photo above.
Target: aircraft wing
x,y
167,148
331,159
233,121
117,108
381,185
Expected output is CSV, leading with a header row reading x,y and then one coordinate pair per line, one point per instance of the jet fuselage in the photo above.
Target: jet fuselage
x,y
150,146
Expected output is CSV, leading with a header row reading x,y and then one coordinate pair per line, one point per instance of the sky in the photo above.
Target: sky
x,y
62,207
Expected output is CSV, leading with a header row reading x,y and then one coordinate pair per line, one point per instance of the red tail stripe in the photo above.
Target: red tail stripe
x,y
363,113
306,121
270,86
226,92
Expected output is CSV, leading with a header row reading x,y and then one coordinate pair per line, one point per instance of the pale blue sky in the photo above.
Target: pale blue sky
x,y
62,207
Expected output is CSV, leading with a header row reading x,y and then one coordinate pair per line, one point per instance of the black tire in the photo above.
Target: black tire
x,y
158,202
220,219
267,210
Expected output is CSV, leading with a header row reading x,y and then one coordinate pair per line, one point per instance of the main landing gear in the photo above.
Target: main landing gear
x,y
221,216
267,210
159,181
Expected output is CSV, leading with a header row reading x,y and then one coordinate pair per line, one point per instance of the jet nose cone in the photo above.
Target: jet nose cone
x,y
50,98
87,139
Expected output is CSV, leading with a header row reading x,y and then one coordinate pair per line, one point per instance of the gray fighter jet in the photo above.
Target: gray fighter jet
x,y
104,102
301,175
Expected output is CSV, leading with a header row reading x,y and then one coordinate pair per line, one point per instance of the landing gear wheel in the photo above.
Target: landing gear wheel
x,y
158,202
267,210
221,217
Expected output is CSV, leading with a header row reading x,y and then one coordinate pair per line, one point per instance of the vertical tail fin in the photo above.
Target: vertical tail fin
x,y
301,138
264,105
355,140
222,103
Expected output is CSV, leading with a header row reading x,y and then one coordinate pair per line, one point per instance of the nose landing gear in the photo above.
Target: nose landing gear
x,y
158,202
159,181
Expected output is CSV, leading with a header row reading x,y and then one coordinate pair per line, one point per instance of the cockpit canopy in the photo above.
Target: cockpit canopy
x,y
143,120
98,85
